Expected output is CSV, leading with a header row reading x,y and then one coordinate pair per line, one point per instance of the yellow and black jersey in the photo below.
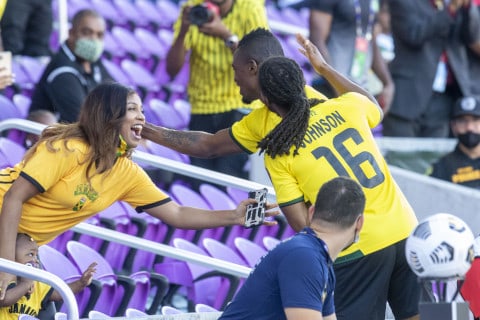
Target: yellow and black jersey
x,y
28,304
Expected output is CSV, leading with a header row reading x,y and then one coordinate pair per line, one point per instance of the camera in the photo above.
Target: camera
x,y
202,13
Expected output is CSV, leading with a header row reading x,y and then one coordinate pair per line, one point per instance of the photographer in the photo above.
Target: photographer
x,y
209,31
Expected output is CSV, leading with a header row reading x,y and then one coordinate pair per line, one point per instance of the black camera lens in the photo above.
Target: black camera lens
x,y
200,14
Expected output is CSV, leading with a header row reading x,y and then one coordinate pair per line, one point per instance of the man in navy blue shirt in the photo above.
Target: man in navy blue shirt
x,y
296,280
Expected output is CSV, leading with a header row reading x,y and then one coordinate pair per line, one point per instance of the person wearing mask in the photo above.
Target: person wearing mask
x,y
75,70
462,165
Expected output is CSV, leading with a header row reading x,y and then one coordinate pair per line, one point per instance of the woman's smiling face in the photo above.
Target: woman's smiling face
x,y
131,129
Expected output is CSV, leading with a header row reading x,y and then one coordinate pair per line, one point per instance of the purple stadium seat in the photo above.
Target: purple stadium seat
x,y
270,242
187,197
143,79
171,12
32,66
250,251
22,102
219,200
165,152
9,109
94,314
113,299
60,316
129,43
166,310
200,308
202,283
11,152
116,72
167,115
184,108
109,12
131,12
116,218
151,13
134,313
57,263
76,5
113,51
152,43
236,194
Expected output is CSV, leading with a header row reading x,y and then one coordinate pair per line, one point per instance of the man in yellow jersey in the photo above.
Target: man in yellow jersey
x,y
210,35
335,137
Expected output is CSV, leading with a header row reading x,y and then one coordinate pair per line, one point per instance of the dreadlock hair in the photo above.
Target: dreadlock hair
x,y
282,83
259,45
100,118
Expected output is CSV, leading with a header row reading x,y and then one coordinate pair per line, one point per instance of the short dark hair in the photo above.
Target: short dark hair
x,y
259,45
79,15
340,201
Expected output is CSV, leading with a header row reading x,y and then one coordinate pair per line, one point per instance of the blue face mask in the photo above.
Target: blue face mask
x,y
88,49
469,139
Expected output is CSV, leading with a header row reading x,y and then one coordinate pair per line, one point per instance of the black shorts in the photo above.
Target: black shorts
x,y
364,286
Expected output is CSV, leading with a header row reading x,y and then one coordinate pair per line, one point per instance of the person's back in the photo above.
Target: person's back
x,y
295,280
263,297
74,70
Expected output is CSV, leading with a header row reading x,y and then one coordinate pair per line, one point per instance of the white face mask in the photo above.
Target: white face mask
x,y
88,49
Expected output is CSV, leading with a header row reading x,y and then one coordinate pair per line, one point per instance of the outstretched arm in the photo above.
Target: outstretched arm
x,y
193,143
13,200
193,218
339,82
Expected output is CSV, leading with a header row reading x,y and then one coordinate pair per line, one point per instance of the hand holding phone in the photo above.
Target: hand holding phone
x,y
256,211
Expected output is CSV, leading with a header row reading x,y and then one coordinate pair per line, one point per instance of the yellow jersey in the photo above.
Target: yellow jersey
x,y
338,142
211,87
66,198
31,304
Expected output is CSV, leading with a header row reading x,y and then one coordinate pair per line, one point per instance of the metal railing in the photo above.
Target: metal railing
x,y
46,277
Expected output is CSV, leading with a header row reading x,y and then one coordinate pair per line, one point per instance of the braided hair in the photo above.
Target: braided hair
x,y
282,83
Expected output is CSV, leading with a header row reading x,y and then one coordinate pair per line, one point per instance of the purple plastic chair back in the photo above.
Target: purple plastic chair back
x,y
131,12
184,108
220,251
33,67
22,102
117,218
165,152
83,256
151,42
167,115
250,251
170,10
9,109
126,39
133,313
184,273
200,308
76,5
11,152
150,12
236,194
107,10
116,72
270,242
166,310
57,263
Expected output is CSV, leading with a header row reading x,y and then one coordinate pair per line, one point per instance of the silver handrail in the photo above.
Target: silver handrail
x,y
162,249
46,277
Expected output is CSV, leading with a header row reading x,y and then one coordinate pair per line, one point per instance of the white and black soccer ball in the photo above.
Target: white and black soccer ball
x,y
441,246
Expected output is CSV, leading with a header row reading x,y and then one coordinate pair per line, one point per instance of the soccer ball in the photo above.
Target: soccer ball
x,y
441,246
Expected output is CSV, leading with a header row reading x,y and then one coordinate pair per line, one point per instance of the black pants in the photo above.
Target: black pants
x,y
26,27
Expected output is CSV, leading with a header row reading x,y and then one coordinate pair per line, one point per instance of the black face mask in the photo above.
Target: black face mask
x,y
469,139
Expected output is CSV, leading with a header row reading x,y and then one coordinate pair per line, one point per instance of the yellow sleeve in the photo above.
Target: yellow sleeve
x,y
287,189
45,167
